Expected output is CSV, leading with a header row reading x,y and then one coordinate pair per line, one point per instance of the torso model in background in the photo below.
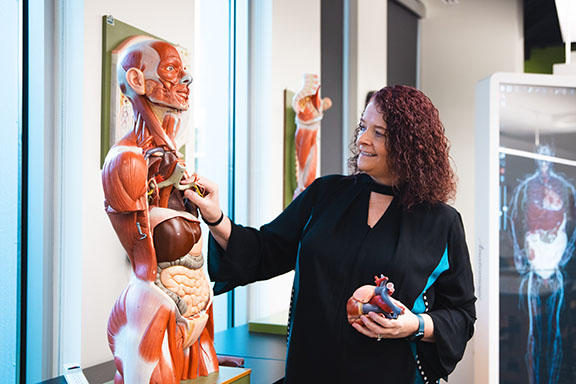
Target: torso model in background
x,y
309,108
161,327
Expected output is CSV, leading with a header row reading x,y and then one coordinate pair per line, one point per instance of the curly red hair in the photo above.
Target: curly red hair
x,y
418,150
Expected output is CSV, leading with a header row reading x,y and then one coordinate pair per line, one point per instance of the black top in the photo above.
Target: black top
x,y
323,234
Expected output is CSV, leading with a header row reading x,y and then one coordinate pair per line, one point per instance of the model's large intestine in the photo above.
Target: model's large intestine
x,y
309,108
161,327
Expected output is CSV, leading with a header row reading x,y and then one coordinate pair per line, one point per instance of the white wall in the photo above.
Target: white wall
x,y
371,60
460,45
105,268
287,45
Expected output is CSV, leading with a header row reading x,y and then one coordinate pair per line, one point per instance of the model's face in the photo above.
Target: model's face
x,y
169,85
372,146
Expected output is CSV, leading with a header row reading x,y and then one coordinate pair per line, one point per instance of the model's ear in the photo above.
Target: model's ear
x,y
135,79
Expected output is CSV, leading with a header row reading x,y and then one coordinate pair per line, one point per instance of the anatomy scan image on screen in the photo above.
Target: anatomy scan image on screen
x,y
537,234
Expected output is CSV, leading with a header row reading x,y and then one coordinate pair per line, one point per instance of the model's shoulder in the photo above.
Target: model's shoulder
x,y
120,152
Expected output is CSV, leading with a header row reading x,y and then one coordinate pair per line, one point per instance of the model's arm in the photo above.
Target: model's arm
x,y
124,182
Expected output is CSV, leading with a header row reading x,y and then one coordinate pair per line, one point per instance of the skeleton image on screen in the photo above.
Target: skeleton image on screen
x,y
542,219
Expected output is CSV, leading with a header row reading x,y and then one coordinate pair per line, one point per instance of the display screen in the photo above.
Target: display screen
x,y
537,234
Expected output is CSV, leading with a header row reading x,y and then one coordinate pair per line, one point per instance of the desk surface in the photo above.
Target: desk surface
x,y
238,341
264,353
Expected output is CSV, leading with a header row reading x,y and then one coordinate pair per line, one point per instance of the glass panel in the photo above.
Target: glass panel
x,y
532,115
211,110
537,234
10,120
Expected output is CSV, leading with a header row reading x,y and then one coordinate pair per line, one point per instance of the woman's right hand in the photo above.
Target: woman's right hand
x,y
209,205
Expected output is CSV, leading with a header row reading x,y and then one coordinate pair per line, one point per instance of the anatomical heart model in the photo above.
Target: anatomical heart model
x,y
373,298
161,327
309,108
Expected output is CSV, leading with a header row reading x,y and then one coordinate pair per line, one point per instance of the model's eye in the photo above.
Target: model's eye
x,y
170,68
379,133
361,127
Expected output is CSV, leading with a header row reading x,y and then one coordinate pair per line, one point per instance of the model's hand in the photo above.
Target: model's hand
x,y
209,205
377,326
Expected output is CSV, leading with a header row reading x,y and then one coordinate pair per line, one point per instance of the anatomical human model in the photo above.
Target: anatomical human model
x,y
309,108
161,327
542,219
373,298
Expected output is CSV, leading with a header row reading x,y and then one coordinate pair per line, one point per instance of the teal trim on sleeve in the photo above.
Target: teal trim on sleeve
x,y
420,307
442,266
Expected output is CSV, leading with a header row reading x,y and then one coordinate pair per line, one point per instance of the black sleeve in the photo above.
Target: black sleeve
x,y
254,255
453,311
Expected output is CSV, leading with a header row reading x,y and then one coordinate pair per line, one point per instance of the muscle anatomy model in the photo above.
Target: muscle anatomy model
x,y
309,108
542,218
161,327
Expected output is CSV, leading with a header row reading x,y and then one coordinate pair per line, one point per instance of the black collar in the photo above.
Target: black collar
x,y
369,183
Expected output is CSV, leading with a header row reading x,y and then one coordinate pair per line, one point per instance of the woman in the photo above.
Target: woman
x,y
389,218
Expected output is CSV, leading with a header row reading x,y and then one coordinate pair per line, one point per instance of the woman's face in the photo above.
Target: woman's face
x,y
372,146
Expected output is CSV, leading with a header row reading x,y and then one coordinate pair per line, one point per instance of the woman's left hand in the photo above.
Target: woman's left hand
x,y
377,326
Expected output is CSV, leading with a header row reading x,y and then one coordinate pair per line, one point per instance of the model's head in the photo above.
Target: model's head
x,y
400,141
154,69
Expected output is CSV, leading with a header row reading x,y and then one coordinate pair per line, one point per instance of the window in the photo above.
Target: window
x,y
10,158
